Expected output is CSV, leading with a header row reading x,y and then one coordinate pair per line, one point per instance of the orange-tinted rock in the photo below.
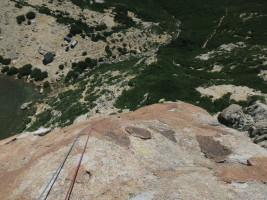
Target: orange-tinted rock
x,y
256,161
117,166
243,173
110,130
257,170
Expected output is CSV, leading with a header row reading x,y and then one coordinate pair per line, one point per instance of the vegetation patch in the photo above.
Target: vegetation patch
x,y
178,70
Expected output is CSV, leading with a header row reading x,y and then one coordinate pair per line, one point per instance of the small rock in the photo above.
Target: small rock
x,y
259,128
25,106
41,51
58,78
261,138
258,111
42,131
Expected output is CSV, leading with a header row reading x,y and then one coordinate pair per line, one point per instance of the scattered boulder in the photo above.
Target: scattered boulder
x,y
259,139
42,131
255,122
230,114
25,106
259,128
234,116
41,91
42,51
258,111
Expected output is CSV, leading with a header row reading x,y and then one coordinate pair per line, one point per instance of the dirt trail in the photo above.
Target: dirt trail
x,y
214,32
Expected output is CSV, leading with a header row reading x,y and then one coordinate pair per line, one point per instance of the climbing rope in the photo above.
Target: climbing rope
x,y
76,171
55,175
67,197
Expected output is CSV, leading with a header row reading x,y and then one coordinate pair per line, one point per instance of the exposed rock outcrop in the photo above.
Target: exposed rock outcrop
x,y
255,121
234,116
181,160
258,111
25,106
42,131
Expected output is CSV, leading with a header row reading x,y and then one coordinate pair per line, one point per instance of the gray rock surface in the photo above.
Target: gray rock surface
x,y
255,121
258,111
234,116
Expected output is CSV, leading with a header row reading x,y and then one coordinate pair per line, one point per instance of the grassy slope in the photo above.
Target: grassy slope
x,y
166,80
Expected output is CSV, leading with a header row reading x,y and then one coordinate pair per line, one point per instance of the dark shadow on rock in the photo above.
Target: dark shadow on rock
x,y
139,132
213,149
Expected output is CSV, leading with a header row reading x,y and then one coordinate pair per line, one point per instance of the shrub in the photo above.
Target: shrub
x,y
41,120
18,6
70,75
20,19
23,125
12,71
45,10
73,64
25,70
46,84
32,111
108,51
101,27
5,69
6,61
131,83
76,29
133,51
94,38
30,15
38,75
88,60
84,53
122,17
67,49
61,67
1,59
91,63
70,35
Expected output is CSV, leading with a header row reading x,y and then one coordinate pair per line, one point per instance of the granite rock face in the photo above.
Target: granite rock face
x,y
163,151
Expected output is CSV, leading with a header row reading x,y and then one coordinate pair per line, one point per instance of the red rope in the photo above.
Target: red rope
x,y
76,171
67,197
